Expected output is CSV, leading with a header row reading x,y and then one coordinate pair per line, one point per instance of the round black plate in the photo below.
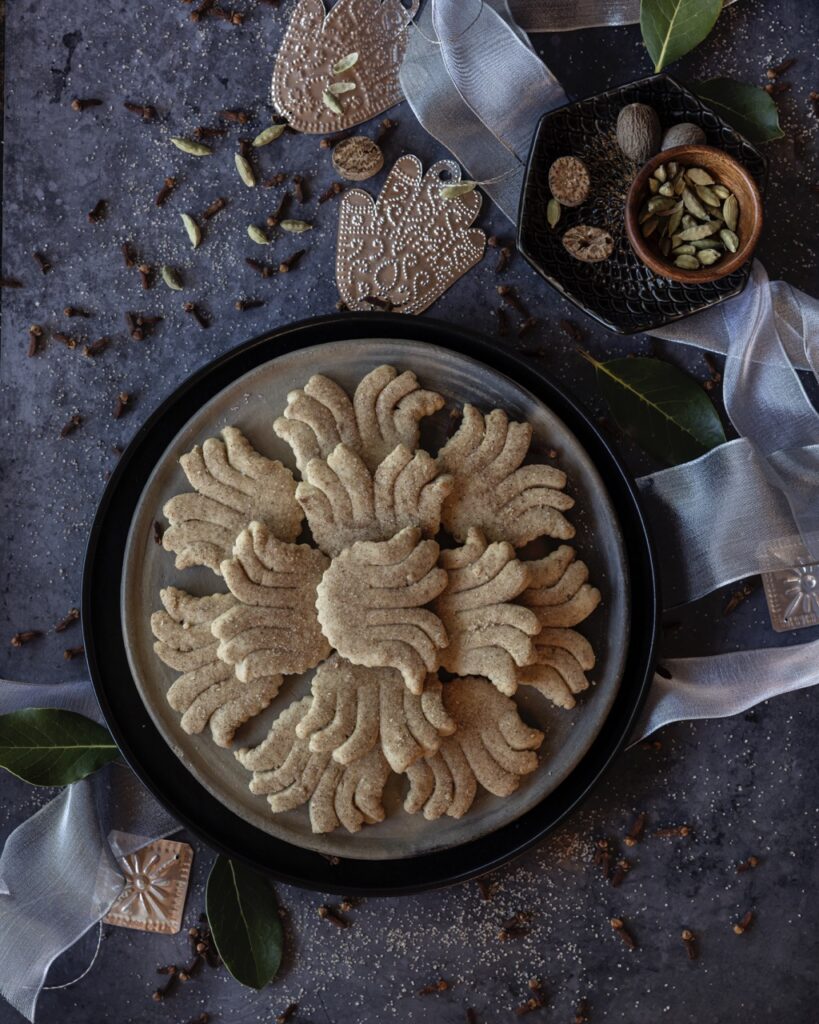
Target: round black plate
x,y
156,764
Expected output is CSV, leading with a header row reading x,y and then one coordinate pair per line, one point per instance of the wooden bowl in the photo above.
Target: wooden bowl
x,y
725,170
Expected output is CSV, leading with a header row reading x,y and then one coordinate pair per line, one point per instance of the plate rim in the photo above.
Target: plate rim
x,y
190,803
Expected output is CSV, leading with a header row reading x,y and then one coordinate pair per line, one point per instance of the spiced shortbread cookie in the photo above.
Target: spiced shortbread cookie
x,y
233,485
371,605
558,593
489,635
208,692
273,626
355,709
493,490
345,502
562,658
290,774
384,412
491,747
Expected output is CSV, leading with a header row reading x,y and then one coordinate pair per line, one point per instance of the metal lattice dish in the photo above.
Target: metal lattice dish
x,y
620,292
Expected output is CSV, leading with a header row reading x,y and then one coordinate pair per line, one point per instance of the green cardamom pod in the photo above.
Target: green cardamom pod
x,y
257,235
269,135
687,262
730,240
245,169
338,88
693,205
345,63
708,256
329,101
730,211
191,148
553,211
697,176
171,278
193,229
295,226
457,188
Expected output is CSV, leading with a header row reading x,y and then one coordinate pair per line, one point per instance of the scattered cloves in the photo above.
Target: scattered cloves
x,y
64,339
198,315
379,303
147,274
84,104
262,269
165,191
621,869
509,296
690,940
514,928
71,425
275,181
42,261
128,255
582,1014
10,282
96,348
214,208
572,330
635,833
619,927
208,132
71,311
291,261
328,914
287,1013
35,340
387,126
780,69
333,140
441,985
298,188
143,110
744,923
235,116
25,637
332,190
504,255
740,595
526,325
121,404
72,616
747,865
73,652
244,304
99,211
674,832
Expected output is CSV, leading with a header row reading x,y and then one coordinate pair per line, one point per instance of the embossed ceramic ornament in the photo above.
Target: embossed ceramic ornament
x,y
156,883
410,244
307,80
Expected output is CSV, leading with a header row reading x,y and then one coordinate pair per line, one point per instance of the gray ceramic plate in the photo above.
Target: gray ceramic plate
x,y
252,403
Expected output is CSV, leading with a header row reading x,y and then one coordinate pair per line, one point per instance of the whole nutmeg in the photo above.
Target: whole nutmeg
x,y
357,158
683,134
638,132
569,181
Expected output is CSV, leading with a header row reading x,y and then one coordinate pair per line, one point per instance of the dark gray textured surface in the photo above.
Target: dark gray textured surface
x,y
746,785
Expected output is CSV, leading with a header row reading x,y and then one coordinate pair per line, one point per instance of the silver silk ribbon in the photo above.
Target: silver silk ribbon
x,y
477,86
58,870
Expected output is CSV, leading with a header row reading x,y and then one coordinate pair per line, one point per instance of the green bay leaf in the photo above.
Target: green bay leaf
x,y
673,27
745,107
244,920
50,747
663,409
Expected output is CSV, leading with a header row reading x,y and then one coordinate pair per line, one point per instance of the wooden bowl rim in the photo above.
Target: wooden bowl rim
x,y
653,260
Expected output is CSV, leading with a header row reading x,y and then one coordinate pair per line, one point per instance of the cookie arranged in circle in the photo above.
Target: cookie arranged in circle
x,y
208,692
344,502
493,490
272,627
233,485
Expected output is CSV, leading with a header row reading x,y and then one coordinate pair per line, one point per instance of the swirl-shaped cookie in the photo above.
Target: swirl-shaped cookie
x,y
290,774
492,747
233,485
355,709
208,692
493,489
344,502
274,627
558,592
489,635
385,412
370,605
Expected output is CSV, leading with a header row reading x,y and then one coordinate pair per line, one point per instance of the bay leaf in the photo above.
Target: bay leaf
x,y
745,107
671,28
660,407
243,916
51,747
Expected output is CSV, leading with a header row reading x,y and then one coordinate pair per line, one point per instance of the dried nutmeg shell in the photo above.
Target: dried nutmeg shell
x,y
684,134
587,243
569,181
638,132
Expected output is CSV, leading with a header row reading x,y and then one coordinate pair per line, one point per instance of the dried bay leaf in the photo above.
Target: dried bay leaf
x,y
49,747
658,405
745,107
671,28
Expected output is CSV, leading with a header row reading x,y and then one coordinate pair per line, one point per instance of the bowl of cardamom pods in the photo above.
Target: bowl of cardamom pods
x,y
693,214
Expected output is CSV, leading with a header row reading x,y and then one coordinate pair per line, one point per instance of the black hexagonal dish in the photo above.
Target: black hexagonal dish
x,y
621,293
